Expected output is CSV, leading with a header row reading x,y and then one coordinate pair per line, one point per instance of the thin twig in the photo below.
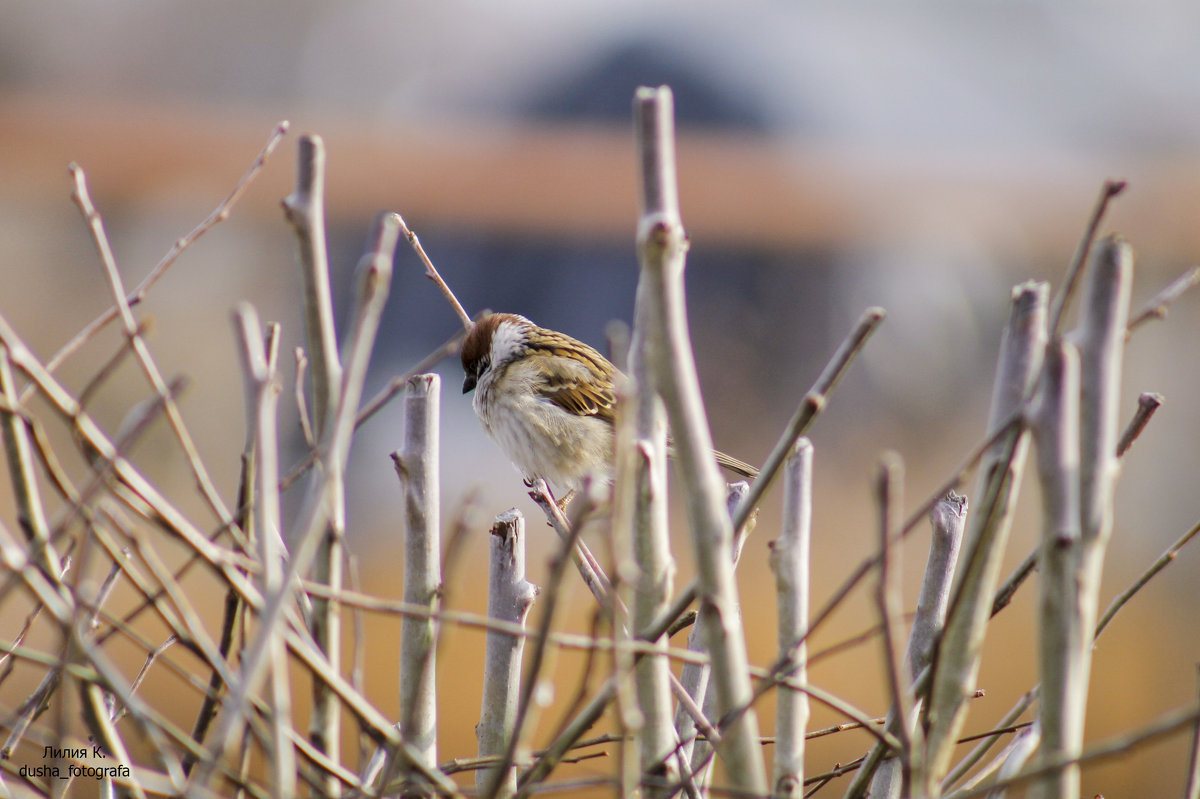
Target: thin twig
x,y
1164,560
1116,746
260,367
1158,305
151,658
1008,589
396,384
31,512
823,779
372,406
314,517
1148,404
219,214
810,406
487,762
1005,729
100,238
431,272
306,428
1108,191
581,555
304,210
1192,789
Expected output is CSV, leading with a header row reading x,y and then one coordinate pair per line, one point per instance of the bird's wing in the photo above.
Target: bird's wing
x,y
579,385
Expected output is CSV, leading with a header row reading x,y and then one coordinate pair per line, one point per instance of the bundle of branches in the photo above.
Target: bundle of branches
x,y
285,593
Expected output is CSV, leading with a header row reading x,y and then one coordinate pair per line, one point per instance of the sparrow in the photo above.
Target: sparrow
x,y
547,400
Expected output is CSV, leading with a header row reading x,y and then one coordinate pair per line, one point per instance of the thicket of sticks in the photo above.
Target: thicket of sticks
x,y
676,711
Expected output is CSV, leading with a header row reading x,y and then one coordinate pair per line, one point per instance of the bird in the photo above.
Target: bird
x,y
547,399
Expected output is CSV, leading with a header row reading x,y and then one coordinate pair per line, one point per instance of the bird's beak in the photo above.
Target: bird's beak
x,y
468,384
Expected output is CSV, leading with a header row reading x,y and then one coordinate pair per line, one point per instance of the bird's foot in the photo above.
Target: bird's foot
x,y
565,501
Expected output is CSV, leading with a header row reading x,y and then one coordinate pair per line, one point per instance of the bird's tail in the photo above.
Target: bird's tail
x,y
740,468
734,465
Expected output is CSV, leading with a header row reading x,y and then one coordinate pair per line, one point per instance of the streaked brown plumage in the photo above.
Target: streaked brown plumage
x,y
547,399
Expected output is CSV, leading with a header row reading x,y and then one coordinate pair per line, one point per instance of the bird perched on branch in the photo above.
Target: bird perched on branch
x,y
547,399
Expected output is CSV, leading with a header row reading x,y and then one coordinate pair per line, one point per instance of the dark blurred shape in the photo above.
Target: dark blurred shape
x,y
602,89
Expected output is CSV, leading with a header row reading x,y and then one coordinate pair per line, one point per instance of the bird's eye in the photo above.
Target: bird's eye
x,y
473,371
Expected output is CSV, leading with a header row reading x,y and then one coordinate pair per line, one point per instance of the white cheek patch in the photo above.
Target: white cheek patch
x,y
507,339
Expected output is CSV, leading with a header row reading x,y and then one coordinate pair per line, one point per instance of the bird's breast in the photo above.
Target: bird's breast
x,y
539,437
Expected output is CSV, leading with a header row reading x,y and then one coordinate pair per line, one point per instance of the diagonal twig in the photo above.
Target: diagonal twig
x,y
219,214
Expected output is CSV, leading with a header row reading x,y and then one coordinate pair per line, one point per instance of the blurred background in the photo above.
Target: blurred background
x,y
922,159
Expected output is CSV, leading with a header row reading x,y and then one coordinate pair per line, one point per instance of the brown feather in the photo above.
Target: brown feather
x,y
734,465
478,341
571,375
577,378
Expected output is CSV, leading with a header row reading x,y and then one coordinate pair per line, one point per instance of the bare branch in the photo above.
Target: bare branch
x,y
431,272
1108,191
662,247
810,406
304,210
1148,404
1116,746
532,674
100,238
1192,789
957,661
1164,560
1062,631
1158,305
640,518
321,502
790,564
31,512
510,597
263,384
372,406
417,465
219,214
